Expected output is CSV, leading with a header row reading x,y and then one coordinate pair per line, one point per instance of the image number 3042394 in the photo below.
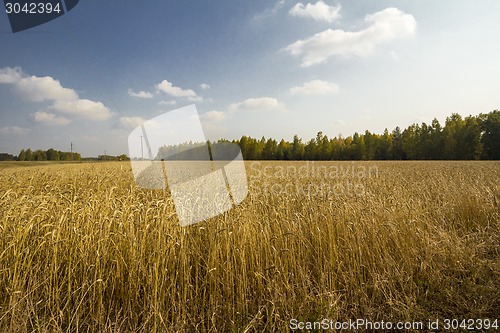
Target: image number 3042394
x,y
26,14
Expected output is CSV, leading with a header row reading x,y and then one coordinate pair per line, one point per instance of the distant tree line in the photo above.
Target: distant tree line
x,y
469,138
56,155
7,157
121,157
47,155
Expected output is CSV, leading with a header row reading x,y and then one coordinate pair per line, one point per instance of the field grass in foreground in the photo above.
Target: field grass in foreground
x,y
83,249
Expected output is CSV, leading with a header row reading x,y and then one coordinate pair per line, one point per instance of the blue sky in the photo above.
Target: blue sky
x,y
272,68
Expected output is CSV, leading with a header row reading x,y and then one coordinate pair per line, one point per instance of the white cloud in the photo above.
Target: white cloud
x,y
258,104
82,109
319,11
386,25
50,118
170,89
34,88
169,103
65,101
140,94
213,116
130,122
13,130
315,87
204,86
10,75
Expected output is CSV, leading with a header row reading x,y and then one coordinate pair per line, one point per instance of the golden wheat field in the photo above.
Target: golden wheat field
x,y
83,249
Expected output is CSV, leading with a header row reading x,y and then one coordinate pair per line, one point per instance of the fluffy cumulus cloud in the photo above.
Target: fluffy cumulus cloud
x,y
319,11
66,104
140,94
10,75
168,88
82,109
258,104
213,116
35,89
384,26
50,118
315,87
13,130
130,122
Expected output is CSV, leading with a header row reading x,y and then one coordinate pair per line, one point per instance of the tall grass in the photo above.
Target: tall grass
x,y
82,249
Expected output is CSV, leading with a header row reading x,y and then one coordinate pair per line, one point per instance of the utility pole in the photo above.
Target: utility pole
x,y
72,151
142,150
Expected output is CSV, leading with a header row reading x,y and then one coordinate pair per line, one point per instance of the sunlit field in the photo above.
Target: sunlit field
x,y
82,248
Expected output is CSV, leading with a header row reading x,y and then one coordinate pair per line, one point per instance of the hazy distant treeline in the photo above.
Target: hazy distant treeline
x,y
57,155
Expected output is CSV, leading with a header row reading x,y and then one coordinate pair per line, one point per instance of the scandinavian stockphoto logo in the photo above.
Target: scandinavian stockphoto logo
x,y
205,179
26,14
